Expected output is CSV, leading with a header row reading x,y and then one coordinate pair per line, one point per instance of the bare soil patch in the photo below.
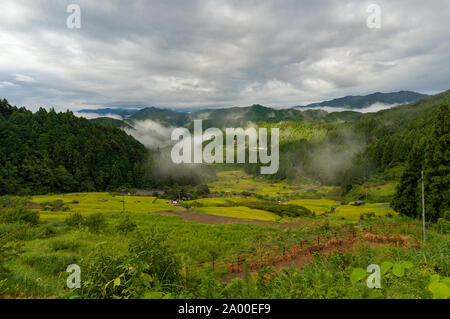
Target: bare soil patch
x,y
301,256
192,216
32,205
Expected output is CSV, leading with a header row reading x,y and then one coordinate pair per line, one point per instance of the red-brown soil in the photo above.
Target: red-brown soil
x,y
300,257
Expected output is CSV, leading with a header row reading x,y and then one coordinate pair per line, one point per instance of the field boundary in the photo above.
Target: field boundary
x,y
264,257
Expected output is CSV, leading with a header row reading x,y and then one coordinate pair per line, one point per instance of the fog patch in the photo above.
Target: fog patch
x,y
332,157
150,133
373,108
91,116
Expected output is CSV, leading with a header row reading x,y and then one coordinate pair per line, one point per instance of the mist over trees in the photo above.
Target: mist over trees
x,y
59,152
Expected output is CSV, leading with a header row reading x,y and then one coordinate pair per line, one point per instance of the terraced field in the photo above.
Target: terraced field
x,y
354,212
319,206
238,212
238,182
90,203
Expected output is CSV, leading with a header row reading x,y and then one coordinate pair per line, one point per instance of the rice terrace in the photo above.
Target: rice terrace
x,y
224,237
246,154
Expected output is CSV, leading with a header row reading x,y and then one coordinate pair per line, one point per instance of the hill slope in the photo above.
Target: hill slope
x,y
59,152
362,101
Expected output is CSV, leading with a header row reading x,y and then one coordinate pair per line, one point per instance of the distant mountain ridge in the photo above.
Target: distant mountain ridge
x,y
231,117
362,101
120,111
163,116
243,116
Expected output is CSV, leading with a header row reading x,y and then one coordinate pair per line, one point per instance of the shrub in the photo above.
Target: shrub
x,y
51,263
95,222
8,250
61,244
55,206
202,190
13,201
368,215
126,226
443,226
102,267
148,269
20,214
75,220
152,249
21,231
47,231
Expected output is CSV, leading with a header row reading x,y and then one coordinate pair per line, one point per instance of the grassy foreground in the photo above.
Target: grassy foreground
x,y
138,253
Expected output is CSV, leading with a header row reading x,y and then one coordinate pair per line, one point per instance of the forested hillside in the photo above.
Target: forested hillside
x,y
58,152
392,134
394,144
361,101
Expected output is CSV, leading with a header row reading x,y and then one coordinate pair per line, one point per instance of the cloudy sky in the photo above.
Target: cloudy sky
x,y
188,53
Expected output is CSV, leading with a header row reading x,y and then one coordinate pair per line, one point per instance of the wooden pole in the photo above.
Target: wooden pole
x,y
423,209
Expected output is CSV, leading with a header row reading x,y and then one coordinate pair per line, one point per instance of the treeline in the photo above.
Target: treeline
x,y
48,151
383,146
423,144
431,153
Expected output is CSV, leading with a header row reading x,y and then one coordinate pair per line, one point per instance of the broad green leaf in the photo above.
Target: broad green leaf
x,y
407,264
357,275
434,278
439,289
146,277
446,281
385,266
398,270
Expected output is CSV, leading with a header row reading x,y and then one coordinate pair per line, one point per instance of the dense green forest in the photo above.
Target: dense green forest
x,y
394,144
58,152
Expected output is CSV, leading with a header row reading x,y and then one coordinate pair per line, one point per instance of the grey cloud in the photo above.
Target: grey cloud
x,y
185,54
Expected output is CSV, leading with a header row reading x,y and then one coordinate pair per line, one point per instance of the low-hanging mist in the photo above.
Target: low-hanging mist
x,y
150,133
373,108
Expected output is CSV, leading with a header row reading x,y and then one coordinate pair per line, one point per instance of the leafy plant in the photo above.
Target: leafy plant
x,y
75,220
95,222
439,288
126,226
357,275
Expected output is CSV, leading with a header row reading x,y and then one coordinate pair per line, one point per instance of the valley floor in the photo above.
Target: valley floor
x,y
222,226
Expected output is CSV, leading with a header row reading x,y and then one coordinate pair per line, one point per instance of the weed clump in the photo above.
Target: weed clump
x,y
20,214
95,222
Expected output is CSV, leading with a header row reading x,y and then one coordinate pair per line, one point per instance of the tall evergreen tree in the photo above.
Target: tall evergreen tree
x,y
406,197
431,154
437,166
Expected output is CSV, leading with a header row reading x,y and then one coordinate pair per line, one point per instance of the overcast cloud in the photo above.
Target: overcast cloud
x,y
179,53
